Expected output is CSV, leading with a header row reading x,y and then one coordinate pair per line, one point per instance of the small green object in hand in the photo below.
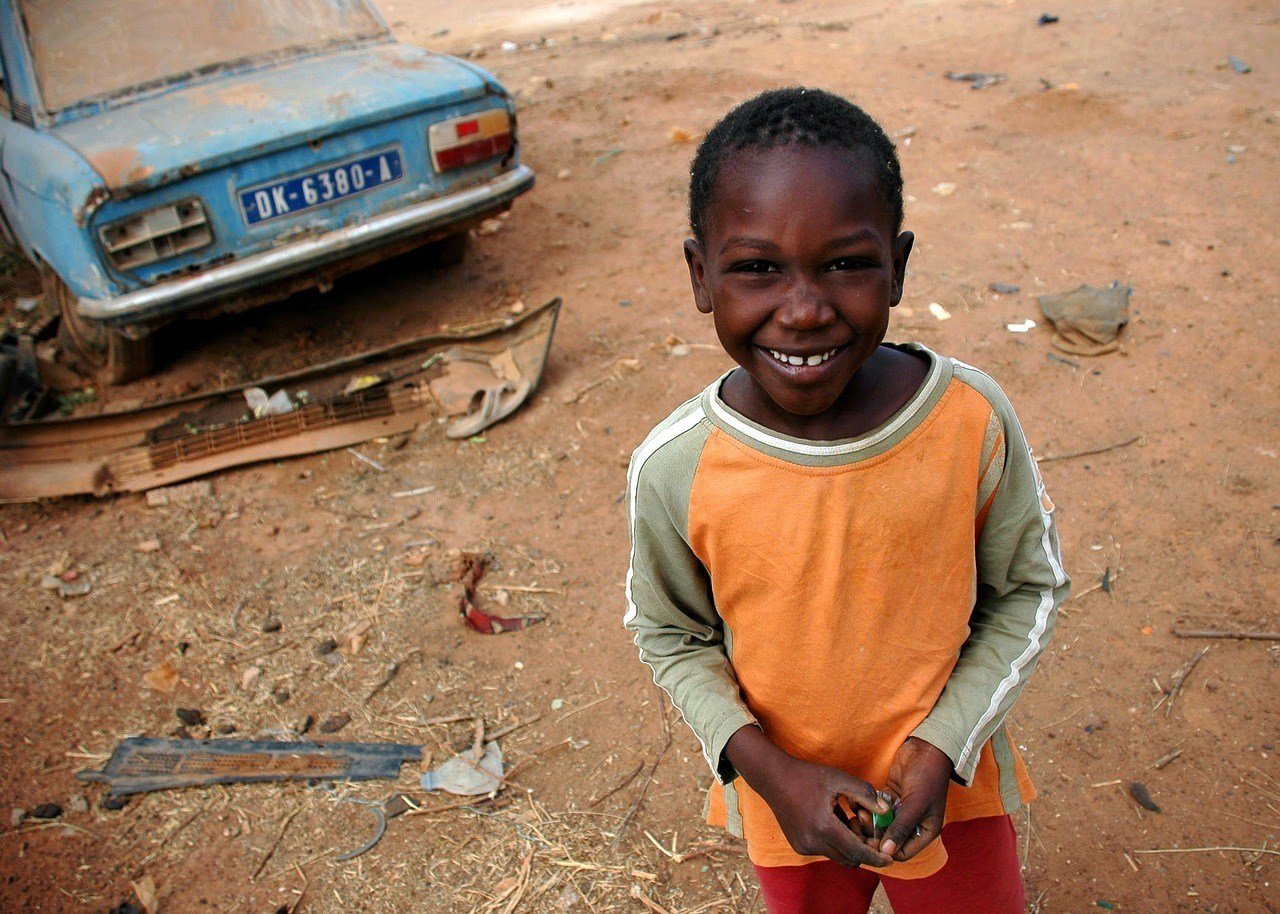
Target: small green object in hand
x,y
882,819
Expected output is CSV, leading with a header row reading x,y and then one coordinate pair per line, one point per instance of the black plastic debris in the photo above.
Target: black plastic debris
x,y
1046,19
140,765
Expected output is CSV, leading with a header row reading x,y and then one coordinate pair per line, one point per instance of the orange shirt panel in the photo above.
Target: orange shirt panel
x,y
847,593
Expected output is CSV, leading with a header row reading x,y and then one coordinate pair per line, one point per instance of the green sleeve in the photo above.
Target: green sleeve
x,y
1020,585
669,607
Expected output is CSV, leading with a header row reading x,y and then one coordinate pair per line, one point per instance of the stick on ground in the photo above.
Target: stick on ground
x,y
1087,453
1225,635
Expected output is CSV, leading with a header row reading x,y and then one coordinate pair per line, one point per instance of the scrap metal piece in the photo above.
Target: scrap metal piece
x,y
158,445
140,765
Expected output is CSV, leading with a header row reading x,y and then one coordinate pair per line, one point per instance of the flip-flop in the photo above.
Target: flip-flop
x,y
496,403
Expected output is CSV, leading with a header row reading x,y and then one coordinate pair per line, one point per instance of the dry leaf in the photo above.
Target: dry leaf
x,y
145,889
163,678
679,135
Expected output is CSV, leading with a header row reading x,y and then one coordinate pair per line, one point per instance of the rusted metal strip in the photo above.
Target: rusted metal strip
x,y
191,436
140,765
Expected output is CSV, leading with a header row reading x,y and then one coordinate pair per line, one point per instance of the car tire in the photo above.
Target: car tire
x,y
97,349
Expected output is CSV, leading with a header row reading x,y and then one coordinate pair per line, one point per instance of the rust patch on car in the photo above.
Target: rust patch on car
x,y
246,95
96,198
120,166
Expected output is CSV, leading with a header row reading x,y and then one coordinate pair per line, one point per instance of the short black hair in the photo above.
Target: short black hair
x,y
781,117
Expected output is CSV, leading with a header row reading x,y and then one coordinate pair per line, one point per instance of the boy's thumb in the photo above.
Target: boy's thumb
x,y
901,830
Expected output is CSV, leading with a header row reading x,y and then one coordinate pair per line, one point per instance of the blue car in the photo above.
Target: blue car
x,y
165,158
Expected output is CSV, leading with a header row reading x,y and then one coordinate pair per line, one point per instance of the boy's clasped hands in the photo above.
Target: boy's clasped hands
x,y
806,800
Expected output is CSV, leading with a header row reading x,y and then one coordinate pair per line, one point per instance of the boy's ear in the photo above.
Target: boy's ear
x,y
901,251
697,274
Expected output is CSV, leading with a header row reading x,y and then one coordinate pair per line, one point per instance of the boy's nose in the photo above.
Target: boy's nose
x,y
804,307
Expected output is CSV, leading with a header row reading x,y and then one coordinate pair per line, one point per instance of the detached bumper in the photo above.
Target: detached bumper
x,y
188,292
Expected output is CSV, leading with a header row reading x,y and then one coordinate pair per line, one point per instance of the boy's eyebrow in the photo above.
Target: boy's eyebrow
x,y
852,239
762,244
744,241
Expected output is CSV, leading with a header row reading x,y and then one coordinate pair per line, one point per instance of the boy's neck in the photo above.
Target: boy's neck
x,y
881,387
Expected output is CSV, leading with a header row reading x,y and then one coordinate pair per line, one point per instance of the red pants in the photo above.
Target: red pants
x,y
982,875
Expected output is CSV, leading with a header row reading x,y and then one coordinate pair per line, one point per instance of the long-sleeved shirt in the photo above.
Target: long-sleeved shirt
x,y
846,595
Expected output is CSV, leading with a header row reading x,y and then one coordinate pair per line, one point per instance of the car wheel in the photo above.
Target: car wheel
x,y
101,351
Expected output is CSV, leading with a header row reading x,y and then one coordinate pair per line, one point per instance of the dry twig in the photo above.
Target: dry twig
x,y
1091,451
1225,635
275,844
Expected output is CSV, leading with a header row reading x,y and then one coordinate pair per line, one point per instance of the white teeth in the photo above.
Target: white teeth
x,y
800,359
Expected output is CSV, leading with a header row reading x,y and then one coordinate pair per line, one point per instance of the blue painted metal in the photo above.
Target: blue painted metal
x,y
218,135
166,298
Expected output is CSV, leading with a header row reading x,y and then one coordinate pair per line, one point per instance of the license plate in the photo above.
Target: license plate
x,y
320,187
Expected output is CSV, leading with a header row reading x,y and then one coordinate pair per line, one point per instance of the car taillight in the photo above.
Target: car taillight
x,y
165,231
469,139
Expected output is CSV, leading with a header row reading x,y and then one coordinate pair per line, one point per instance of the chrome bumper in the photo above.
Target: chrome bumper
x,y
190,291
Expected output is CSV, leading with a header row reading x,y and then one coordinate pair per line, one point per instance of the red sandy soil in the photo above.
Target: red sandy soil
x,y
1151,162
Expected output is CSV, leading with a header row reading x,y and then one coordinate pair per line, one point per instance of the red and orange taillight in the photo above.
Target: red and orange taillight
x,y
472,138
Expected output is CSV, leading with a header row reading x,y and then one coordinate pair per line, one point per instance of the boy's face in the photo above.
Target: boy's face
x,y
799,269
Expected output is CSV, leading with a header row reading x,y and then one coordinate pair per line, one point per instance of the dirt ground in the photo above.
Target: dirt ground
x,y
1149,161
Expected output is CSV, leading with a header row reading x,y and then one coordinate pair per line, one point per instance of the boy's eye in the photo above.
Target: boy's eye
x,y
852,263
753,266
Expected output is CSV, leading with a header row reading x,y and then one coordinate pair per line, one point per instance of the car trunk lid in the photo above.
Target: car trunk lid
x,y
199,128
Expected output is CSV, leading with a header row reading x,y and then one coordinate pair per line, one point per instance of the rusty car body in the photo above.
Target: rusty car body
x,y
163,159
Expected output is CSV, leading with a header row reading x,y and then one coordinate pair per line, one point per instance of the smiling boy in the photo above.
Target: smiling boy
x,y
844,564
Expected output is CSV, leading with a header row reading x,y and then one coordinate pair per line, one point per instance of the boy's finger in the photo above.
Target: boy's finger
x,y
860,793
855,817
847,849
926,832
908,818
868,827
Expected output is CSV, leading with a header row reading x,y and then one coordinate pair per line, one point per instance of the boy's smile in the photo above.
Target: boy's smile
x,y
799,268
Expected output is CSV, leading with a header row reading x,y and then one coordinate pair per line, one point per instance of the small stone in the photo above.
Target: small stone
x,y
114,803
152,545
79,803
79,588
281,694
46,811
944,188
16,817
192,717
563,174
335,723
304,724
327,646
249,677
226,729
333,658
272,625
557,704
1003,288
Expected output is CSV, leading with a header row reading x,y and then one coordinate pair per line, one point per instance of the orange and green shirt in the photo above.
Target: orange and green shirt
x,y
845,595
